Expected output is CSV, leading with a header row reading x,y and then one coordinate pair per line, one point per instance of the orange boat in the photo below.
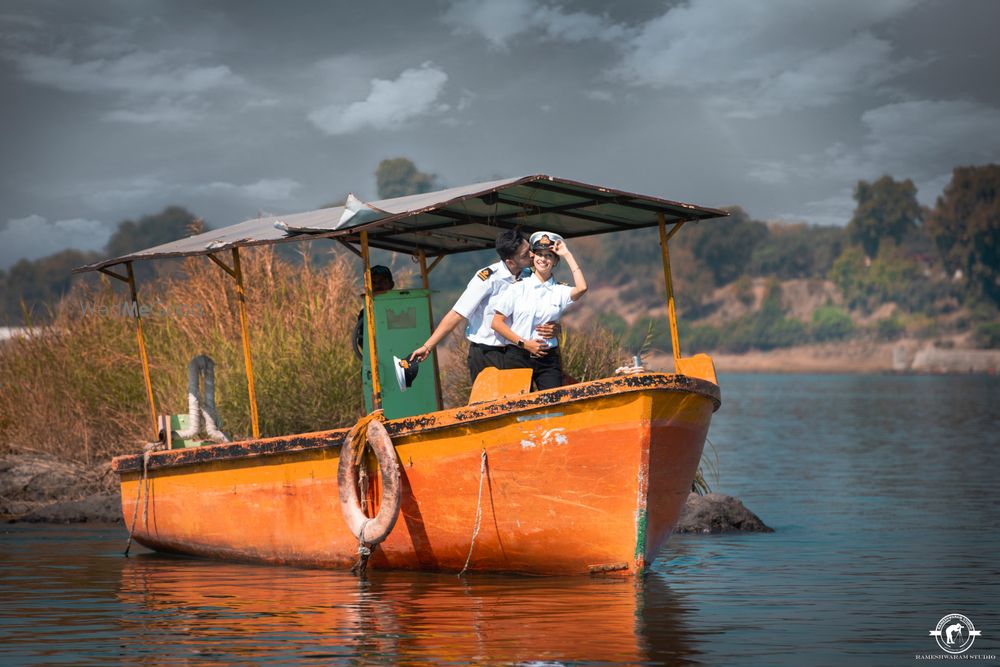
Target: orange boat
x,y
585,478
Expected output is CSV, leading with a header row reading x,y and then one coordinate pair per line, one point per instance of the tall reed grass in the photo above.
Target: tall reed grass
x,y
591,352
74,387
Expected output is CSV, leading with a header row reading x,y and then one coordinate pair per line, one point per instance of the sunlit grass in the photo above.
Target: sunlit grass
x,y
75,387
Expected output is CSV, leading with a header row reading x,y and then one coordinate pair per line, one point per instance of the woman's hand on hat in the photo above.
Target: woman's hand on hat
x,y
560,248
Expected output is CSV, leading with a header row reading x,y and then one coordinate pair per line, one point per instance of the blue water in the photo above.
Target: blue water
x,y
882,490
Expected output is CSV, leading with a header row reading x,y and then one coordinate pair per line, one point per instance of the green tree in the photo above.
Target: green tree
x,y
724,246
398,177
886,209
37,285
170,224
892,276
965,226
797,251
831,323
765,329
848,273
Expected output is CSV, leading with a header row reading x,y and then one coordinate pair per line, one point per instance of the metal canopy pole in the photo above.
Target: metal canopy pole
x,y
142,348
237,273
143,356
671,312
370,320
425,275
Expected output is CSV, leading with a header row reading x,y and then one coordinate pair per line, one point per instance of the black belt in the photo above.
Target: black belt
x,y
490,348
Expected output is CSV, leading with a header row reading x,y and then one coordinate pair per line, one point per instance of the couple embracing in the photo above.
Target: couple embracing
x,y
512,308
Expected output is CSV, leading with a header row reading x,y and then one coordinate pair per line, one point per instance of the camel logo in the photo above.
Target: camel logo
x,y
955,633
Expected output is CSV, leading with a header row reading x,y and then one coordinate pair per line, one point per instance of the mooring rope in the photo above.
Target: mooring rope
x,y
364,552
359,433
143,481
479,513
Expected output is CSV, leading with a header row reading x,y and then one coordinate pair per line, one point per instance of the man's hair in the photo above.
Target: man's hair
x,y
509,242
383,271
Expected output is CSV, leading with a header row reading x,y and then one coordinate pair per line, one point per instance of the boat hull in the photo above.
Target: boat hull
x,y
577,481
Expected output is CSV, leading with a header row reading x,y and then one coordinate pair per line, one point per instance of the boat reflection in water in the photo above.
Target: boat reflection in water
x,y
184,609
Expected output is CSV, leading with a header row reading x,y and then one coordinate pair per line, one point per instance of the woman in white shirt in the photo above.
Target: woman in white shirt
x,y
534,300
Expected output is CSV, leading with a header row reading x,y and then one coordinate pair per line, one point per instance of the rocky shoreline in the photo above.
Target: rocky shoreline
x,y
38,488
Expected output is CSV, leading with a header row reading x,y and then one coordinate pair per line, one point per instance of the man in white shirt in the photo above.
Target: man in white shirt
x,y
485,347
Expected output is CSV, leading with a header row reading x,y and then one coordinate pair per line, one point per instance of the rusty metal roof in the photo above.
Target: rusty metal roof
x,y
447,221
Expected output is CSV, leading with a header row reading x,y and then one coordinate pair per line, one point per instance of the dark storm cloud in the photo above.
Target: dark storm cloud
x,y
117,109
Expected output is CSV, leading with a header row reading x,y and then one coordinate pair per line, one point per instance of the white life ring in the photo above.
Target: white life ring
x,y
369,531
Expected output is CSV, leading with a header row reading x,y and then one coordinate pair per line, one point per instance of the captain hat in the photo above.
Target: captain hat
x,y
543,241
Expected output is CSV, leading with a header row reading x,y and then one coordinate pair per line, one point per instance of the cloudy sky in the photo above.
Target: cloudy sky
x,y
112,109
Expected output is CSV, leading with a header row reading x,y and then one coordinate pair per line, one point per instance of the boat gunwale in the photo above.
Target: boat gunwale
x,y
432,421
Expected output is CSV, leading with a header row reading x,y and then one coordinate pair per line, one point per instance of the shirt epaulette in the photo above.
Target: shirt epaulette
x,y
563,284
485,273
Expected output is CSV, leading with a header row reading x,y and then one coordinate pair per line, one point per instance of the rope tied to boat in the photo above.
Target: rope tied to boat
x,y
479,513
364,553
143,485
359,434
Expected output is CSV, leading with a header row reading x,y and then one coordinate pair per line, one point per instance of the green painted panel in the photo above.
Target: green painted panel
x,y
402,324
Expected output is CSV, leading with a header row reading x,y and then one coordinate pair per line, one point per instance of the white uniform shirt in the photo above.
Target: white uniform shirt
x,y
474,304
531,302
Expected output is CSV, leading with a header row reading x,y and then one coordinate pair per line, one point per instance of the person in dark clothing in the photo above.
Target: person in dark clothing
x,y
381,282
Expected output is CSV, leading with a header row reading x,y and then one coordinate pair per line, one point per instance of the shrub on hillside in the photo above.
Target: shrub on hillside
x,y
743,287
893,276
797,251
987,335
647,333
890,328
831,323
613,322
763,331
697,338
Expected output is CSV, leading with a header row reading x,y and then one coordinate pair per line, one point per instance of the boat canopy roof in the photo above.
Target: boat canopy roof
x,y
444,222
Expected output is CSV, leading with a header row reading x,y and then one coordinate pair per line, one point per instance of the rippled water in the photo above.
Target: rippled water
x,y
882,491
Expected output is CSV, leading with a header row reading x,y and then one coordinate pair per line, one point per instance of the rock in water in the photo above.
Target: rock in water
x,y
98,508
718,513
43,488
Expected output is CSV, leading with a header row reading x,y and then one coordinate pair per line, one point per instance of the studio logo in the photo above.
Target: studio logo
x,y
955,633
